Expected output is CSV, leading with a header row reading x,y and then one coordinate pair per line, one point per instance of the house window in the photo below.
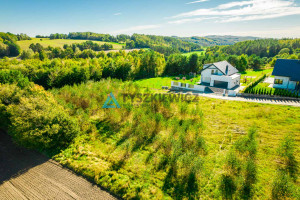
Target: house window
x,y
278,81
183,85
212,71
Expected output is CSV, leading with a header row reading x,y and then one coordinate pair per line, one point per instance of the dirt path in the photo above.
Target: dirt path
x,y
27,174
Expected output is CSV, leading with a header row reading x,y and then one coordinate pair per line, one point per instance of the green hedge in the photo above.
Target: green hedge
x,y
252,89
250,86
273,91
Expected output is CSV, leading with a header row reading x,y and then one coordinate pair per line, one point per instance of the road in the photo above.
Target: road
x,y
245,99
26,174
255,100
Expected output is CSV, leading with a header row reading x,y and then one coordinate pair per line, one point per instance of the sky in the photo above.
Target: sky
x,y
261,18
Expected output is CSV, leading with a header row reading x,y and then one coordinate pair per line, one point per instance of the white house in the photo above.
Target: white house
x,y
220,74
287,74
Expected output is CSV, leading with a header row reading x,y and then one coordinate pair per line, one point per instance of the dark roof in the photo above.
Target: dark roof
x,y
222,67
288,68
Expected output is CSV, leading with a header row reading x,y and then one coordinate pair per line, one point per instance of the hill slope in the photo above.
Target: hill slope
x,y
213,40
45,42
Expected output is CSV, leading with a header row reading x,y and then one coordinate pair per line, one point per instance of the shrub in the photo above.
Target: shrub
x,y
37,121
27,54
286,151
248,144
281,186
13,76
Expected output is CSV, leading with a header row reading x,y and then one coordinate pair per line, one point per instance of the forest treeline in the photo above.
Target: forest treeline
x,y
8,45
245,55
59,72
86,49
262,48
162,44
213,40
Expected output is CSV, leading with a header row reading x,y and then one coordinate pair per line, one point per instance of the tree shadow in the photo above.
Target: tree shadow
x,y
16,160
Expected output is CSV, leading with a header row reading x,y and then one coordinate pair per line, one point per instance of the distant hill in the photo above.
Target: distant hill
x,y
213,40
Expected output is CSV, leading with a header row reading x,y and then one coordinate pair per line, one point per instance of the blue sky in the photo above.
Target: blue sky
x,y
263,18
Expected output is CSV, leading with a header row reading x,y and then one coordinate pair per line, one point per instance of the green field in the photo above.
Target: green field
x,y
130,151
155,149
200,53
45,42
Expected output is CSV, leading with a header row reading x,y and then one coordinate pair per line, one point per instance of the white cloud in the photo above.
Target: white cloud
x,y
234,4
199,1
137,28
246,10
118,14
183,21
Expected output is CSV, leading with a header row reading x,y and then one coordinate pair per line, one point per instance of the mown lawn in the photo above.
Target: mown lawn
x,y
256,73
157,83
45,42
250,75
171,150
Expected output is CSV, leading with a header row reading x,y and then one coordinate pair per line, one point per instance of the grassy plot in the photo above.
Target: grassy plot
x,y
200,53
256,73
157,83
170,150
45,42
250,75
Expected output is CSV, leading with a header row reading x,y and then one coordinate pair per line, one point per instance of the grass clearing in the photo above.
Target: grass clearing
x,y
45,42
200,53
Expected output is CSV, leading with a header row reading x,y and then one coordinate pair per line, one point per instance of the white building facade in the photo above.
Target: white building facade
x,y
220,74
287,74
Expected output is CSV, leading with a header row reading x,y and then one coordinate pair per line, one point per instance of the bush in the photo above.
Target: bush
x,y
281,186
13,76
27,54
286,151
36,120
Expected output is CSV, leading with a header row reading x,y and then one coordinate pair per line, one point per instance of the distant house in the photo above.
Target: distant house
x,y
220,74
287,74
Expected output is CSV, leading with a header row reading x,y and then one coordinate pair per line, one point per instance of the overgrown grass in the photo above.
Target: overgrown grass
x,y
45,42
170,150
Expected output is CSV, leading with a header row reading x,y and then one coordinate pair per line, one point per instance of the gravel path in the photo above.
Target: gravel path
x,y
26,174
